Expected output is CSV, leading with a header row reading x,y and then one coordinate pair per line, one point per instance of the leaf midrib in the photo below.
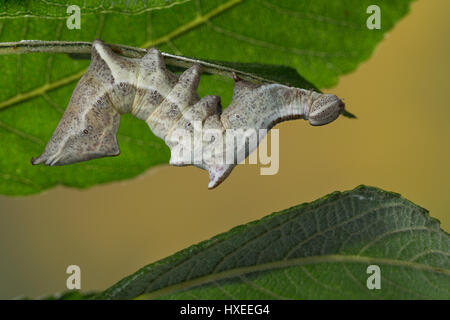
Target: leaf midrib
x,y
334,258
199,20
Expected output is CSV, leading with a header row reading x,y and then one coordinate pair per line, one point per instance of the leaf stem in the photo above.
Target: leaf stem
x,y
77,49
81,49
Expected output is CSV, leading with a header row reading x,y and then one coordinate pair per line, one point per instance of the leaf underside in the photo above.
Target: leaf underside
x,y
320,39
318,250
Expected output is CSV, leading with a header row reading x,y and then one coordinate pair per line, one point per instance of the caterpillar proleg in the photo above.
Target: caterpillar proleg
x,y
173,110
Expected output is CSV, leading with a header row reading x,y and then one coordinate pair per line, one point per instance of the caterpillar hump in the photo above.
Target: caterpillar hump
x,y
194,128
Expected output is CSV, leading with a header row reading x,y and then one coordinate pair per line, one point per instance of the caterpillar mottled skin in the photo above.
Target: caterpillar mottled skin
x,y
144,87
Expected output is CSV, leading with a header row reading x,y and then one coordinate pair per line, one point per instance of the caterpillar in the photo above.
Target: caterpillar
x,y
114,85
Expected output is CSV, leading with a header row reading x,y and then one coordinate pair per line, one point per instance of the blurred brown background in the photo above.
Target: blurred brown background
x,y
400,143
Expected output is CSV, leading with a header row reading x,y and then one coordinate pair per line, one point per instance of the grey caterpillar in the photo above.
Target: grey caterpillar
x,y
173,110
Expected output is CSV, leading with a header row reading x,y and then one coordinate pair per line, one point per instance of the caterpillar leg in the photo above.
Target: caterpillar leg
x,y
219,173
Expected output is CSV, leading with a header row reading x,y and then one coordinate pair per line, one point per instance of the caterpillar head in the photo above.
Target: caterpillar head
x,y
87,129
324,109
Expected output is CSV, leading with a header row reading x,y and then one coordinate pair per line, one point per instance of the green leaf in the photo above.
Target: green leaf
x,y
318,250
320,39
